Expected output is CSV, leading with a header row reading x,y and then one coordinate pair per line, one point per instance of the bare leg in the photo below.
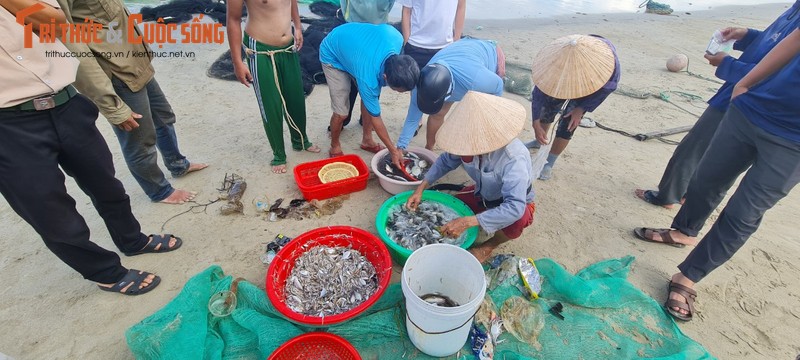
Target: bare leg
x,y
336,130
366,138
484,251
435,121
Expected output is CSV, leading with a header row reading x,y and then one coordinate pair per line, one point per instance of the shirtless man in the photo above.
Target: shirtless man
x,y
273,68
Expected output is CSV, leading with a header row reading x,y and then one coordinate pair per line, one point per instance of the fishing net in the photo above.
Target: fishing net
x,y
605,316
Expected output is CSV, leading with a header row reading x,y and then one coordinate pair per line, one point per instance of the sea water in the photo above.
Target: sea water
x,y
515,9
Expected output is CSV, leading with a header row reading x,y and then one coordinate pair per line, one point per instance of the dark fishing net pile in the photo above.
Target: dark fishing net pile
x,y
415,229
330,280
181,11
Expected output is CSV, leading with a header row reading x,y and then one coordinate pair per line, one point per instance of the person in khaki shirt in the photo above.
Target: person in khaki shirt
x,y
45,124
128,95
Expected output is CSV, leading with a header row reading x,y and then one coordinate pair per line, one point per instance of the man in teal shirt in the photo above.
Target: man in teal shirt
x,y
369,56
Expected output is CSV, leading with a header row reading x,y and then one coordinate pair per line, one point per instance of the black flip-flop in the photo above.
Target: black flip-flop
x,y
666,238
651,197
136,278
156,240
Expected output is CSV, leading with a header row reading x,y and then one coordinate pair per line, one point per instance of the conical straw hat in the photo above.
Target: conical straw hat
x,y
480,123
573,66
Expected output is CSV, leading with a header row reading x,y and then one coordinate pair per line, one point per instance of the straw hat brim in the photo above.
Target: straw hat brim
x,y
479,124
573,66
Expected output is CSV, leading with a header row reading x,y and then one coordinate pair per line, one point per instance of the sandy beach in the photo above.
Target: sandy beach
x,y
747,309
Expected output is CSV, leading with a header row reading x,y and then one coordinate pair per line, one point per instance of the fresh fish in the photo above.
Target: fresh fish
x,y
329,280
413,230
439,300
415,165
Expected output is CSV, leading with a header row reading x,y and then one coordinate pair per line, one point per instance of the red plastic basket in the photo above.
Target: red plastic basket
x,y
306,175
367,244
316,346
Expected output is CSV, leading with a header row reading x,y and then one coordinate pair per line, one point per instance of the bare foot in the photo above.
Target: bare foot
x,y
195,167
312,149
179,197
644,196
279,169
145,283
676,236
335,151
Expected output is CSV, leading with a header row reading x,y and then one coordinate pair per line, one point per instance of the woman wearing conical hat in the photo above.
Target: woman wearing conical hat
x,y
573,75
480,135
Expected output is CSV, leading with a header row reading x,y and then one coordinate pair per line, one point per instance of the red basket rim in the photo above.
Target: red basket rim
x,y
318,336
384,276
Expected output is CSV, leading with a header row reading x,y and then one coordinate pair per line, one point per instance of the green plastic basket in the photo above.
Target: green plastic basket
x,y
401,254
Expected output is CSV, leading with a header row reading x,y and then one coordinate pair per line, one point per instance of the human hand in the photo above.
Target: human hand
x,y
540,132
575,118
715,59
298,40
130,123
456,227
242,73
738,90
414,200
397,157
733,33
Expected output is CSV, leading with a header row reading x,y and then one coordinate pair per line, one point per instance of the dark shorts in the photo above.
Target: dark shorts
x,y
421,55
550,112
512,231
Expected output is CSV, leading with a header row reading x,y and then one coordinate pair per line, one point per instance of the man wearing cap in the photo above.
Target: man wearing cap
x,y
481,136
369,54
466,65
45,124
573,76
129,97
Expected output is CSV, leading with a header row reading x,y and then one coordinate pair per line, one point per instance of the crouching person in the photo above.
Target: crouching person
x,y
481,135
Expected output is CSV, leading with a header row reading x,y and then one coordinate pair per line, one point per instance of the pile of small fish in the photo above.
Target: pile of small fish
x,y
330,280
415,166
415,229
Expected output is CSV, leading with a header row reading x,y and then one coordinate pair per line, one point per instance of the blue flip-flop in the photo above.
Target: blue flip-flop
x,y
152,246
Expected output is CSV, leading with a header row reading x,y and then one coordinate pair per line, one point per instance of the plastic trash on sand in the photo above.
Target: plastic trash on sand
x,y
522,319
530,277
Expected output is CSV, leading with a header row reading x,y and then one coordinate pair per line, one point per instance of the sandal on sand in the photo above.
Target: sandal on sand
x,y
134,278
156,240
651,197
373,149
646,234
689,294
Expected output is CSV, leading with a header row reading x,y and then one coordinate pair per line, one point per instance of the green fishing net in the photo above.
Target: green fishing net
x,y
605,317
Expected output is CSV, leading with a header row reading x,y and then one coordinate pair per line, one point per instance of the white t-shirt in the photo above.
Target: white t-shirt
x,y
431,22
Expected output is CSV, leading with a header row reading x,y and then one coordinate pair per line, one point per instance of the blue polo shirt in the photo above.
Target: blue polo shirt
x,y
755,45
360,50
473,66
774,104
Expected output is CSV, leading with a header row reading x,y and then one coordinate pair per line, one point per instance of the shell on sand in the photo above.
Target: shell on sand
x,y
677,62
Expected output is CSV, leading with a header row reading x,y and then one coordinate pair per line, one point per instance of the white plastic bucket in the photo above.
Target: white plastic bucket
x,y
393,186
451,271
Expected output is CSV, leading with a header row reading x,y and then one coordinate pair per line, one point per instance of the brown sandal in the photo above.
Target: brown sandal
x,y
689,294
646,234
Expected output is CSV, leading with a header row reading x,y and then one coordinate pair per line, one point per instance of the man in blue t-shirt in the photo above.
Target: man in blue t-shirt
x,y
367,55
760,131
754,44
465,65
